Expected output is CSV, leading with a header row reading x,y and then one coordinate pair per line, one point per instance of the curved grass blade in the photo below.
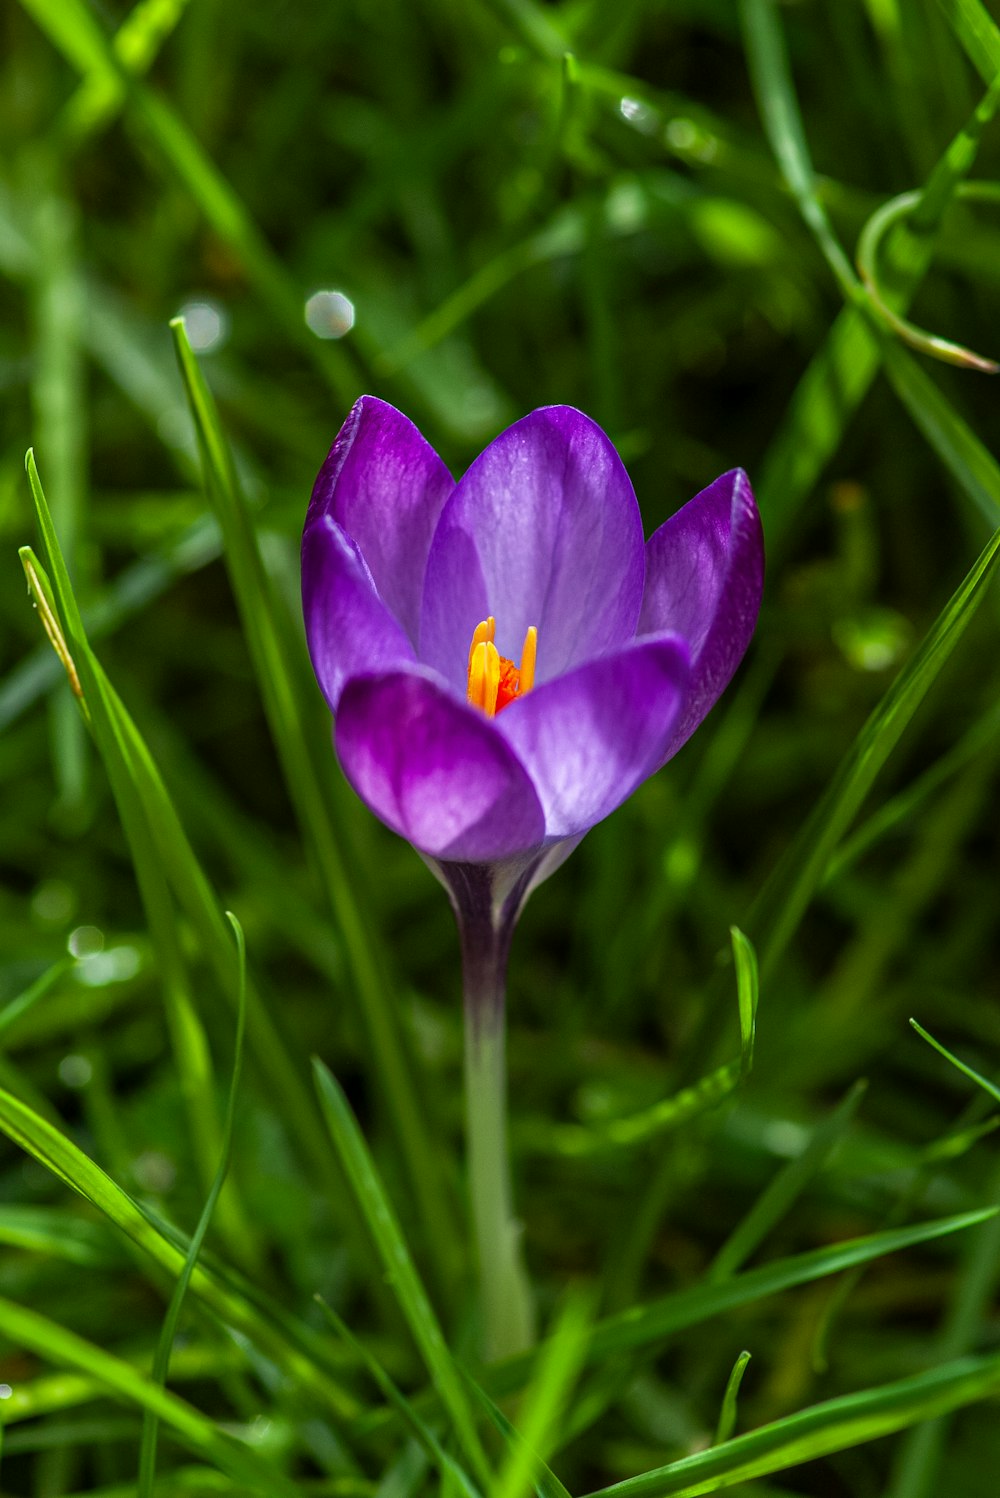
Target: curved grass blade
x,y
161,1362
880,223
380,1219
834,1425
842,372
727,1414
967,1071
684,1106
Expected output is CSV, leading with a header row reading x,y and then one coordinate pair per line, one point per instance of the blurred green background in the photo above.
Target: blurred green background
x,y
428,200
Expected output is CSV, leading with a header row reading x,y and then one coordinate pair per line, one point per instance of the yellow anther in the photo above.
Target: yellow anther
x,y
484,675
528,654
483,632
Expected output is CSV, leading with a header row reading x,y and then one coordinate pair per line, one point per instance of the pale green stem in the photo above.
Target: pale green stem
x,y
505,1297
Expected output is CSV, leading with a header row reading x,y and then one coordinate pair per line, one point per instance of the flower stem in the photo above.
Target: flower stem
x,y
505,1295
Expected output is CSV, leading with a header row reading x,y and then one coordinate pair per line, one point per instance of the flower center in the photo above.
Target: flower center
x,y
494,681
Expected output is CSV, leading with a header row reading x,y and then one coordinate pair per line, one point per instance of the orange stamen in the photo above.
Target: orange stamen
x,y
484,677
483,632
528,654
494,681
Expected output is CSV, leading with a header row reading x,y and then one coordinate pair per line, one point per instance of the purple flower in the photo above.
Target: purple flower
x,y
505,659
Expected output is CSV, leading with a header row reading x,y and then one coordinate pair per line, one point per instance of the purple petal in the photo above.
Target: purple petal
x,y
590,737
704,579
385,485
544,529
348,627
435,770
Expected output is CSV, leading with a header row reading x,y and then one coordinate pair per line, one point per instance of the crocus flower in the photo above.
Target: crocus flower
x,y
506,662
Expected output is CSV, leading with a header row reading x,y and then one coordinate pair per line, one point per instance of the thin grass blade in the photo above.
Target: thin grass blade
x,y
981,1081
380,1220
161,1362
786,1187
446,1465
781,904
727,1414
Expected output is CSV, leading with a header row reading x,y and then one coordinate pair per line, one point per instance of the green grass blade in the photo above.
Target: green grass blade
x,y
656,1321
194,1063
778,909
72,29
540,1416
546,1483
153,822
276,653
747,993
61,424
650,1324
882,222
52,1392
842,372
136,44
51,1231
769,74
967,1071
161,1362
35,1333
577,1141
58,1154
534,24
380,1220
972,1295
446,1465
786,1187
13,1010
727,1414
978,33
663,1318
898,809
834,1425
971,464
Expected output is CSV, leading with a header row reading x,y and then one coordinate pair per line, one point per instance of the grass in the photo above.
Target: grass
x,y
759,1214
